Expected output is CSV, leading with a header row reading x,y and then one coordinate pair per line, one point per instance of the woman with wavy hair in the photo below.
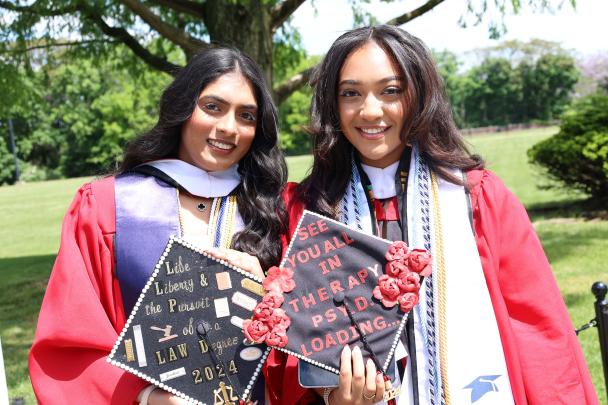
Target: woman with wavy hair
x,y
210,172
491,326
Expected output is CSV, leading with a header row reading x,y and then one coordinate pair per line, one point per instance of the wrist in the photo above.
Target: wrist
x,y
144,395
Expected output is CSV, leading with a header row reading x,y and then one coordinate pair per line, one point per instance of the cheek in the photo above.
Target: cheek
x,y
397,111
346,113
246,136
199,125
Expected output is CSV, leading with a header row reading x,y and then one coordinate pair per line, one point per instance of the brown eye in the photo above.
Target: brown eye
x,y
248,116
349,93
393,90
211,107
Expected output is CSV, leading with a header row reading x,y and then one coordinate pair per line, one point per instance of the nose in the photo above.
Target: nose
x,y
227,124
371,108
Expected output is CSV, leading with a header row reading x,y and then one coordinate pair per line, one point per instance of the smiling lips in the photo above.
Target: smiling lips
x,y
372,132
221,146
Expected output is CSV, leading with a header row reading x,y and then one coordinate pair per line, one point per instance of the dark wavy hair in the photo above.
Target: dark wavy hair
x,y
428,121
262,169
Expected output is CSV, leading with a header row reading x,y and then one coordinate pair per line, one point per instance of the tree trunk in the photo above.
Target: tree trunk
x,y
244,25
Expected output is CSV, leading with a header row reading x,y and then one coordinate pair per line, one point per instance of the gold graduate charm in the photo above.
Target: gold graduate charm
x,y
224,395
390,392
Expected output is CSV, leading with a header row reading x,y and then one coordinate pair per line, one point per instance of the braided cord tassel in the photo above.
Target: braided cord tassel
x,y
355,179
441,286
218,225
423,189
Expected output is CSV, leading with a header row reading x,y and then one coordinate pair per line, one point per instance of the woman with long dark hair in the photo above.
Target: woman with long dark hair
x,y
491,326
210,171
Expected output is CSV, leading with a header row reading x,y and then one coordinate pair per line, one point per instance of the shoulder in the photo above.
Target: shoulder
x,y
485,187
94,201
290,196
294,206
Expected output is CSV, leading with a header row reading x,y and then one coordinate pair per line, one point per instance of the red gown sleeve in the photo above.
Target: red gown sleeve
x,y
82,311
544,358
281,369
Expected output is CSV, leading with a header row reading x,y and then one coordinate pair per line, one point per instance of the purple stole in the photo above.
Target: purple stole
x,y
147,214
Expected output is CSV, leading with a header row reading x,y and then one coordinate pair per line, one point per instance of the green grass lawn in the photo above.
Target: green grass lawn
x,y
31,214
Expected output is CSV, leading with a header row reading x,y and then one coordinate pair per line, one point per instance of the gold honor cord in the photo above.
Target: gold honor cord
x,y
227,229
441,289
229,221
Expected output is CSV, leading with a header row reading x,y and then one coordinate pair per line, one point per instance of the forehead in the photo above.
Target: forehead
x,y
368,63
232,87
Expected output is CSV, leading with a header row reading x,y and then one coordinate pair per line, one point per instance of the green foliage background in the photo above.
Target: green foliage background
x,y
73,112
577,157
77,117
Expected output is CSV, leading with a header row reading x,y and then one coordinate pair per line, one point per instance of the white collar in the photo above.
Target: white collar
x,y
383,180
198,181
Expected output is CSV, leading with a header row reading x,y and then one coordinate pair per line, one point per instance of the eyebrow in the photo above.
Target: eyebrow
x,y
223,101
357,82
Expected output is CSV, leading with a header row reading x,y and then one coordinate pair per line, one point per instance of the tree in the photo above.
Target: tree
x,y
547,86
78,117
491,94
454,83
153,29
515,82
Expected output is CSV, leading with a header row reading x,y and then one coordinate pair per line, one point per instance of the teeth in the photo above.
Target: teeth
x,y
221,145
372,131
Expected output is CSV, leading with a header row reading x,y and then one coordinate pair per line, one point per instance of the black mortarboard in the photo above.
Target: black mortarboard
x,y
335,269
184,333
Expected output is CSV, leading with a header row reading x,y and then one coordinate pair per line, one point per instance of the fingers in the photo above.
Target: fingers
x,y
345,371
242,260
379,387
369,392
358,373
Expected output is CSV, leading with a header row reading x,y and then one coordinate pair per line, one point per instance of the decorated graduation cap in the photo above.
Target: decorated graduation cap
x,y
338,286
184,333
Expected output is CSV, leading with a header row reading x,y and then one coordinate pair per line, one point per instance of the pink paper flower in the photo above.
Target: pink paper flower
x,y
277,337
279,280
387,290
407,301
395,267
279,318
397,251
409,282
419,261
262,312
273,299
255,330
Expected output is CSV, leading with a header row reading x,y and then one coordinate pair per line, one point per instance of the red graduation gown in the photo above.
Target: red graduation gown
x,y
82,311
543,356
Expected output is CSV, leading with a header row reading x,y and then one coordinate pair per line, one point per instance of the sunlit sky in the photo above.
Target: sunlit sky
x,y
584,29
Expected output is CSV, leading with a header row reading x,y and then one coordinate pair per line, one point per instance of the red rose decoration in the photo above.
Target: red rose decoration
x,y
395,267
262,312
387,290
397,251
407,301
409,282
277,337
419,261
279,318
255,330
273,299
279,280
270,322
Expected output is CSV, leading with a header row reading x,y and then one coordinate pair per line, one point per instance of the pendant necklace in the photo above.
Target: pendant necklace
x,y
201,207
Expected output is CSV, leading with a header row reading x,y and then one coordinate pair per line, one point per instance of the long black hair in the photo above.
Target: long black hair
x,y
263,170
428,121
